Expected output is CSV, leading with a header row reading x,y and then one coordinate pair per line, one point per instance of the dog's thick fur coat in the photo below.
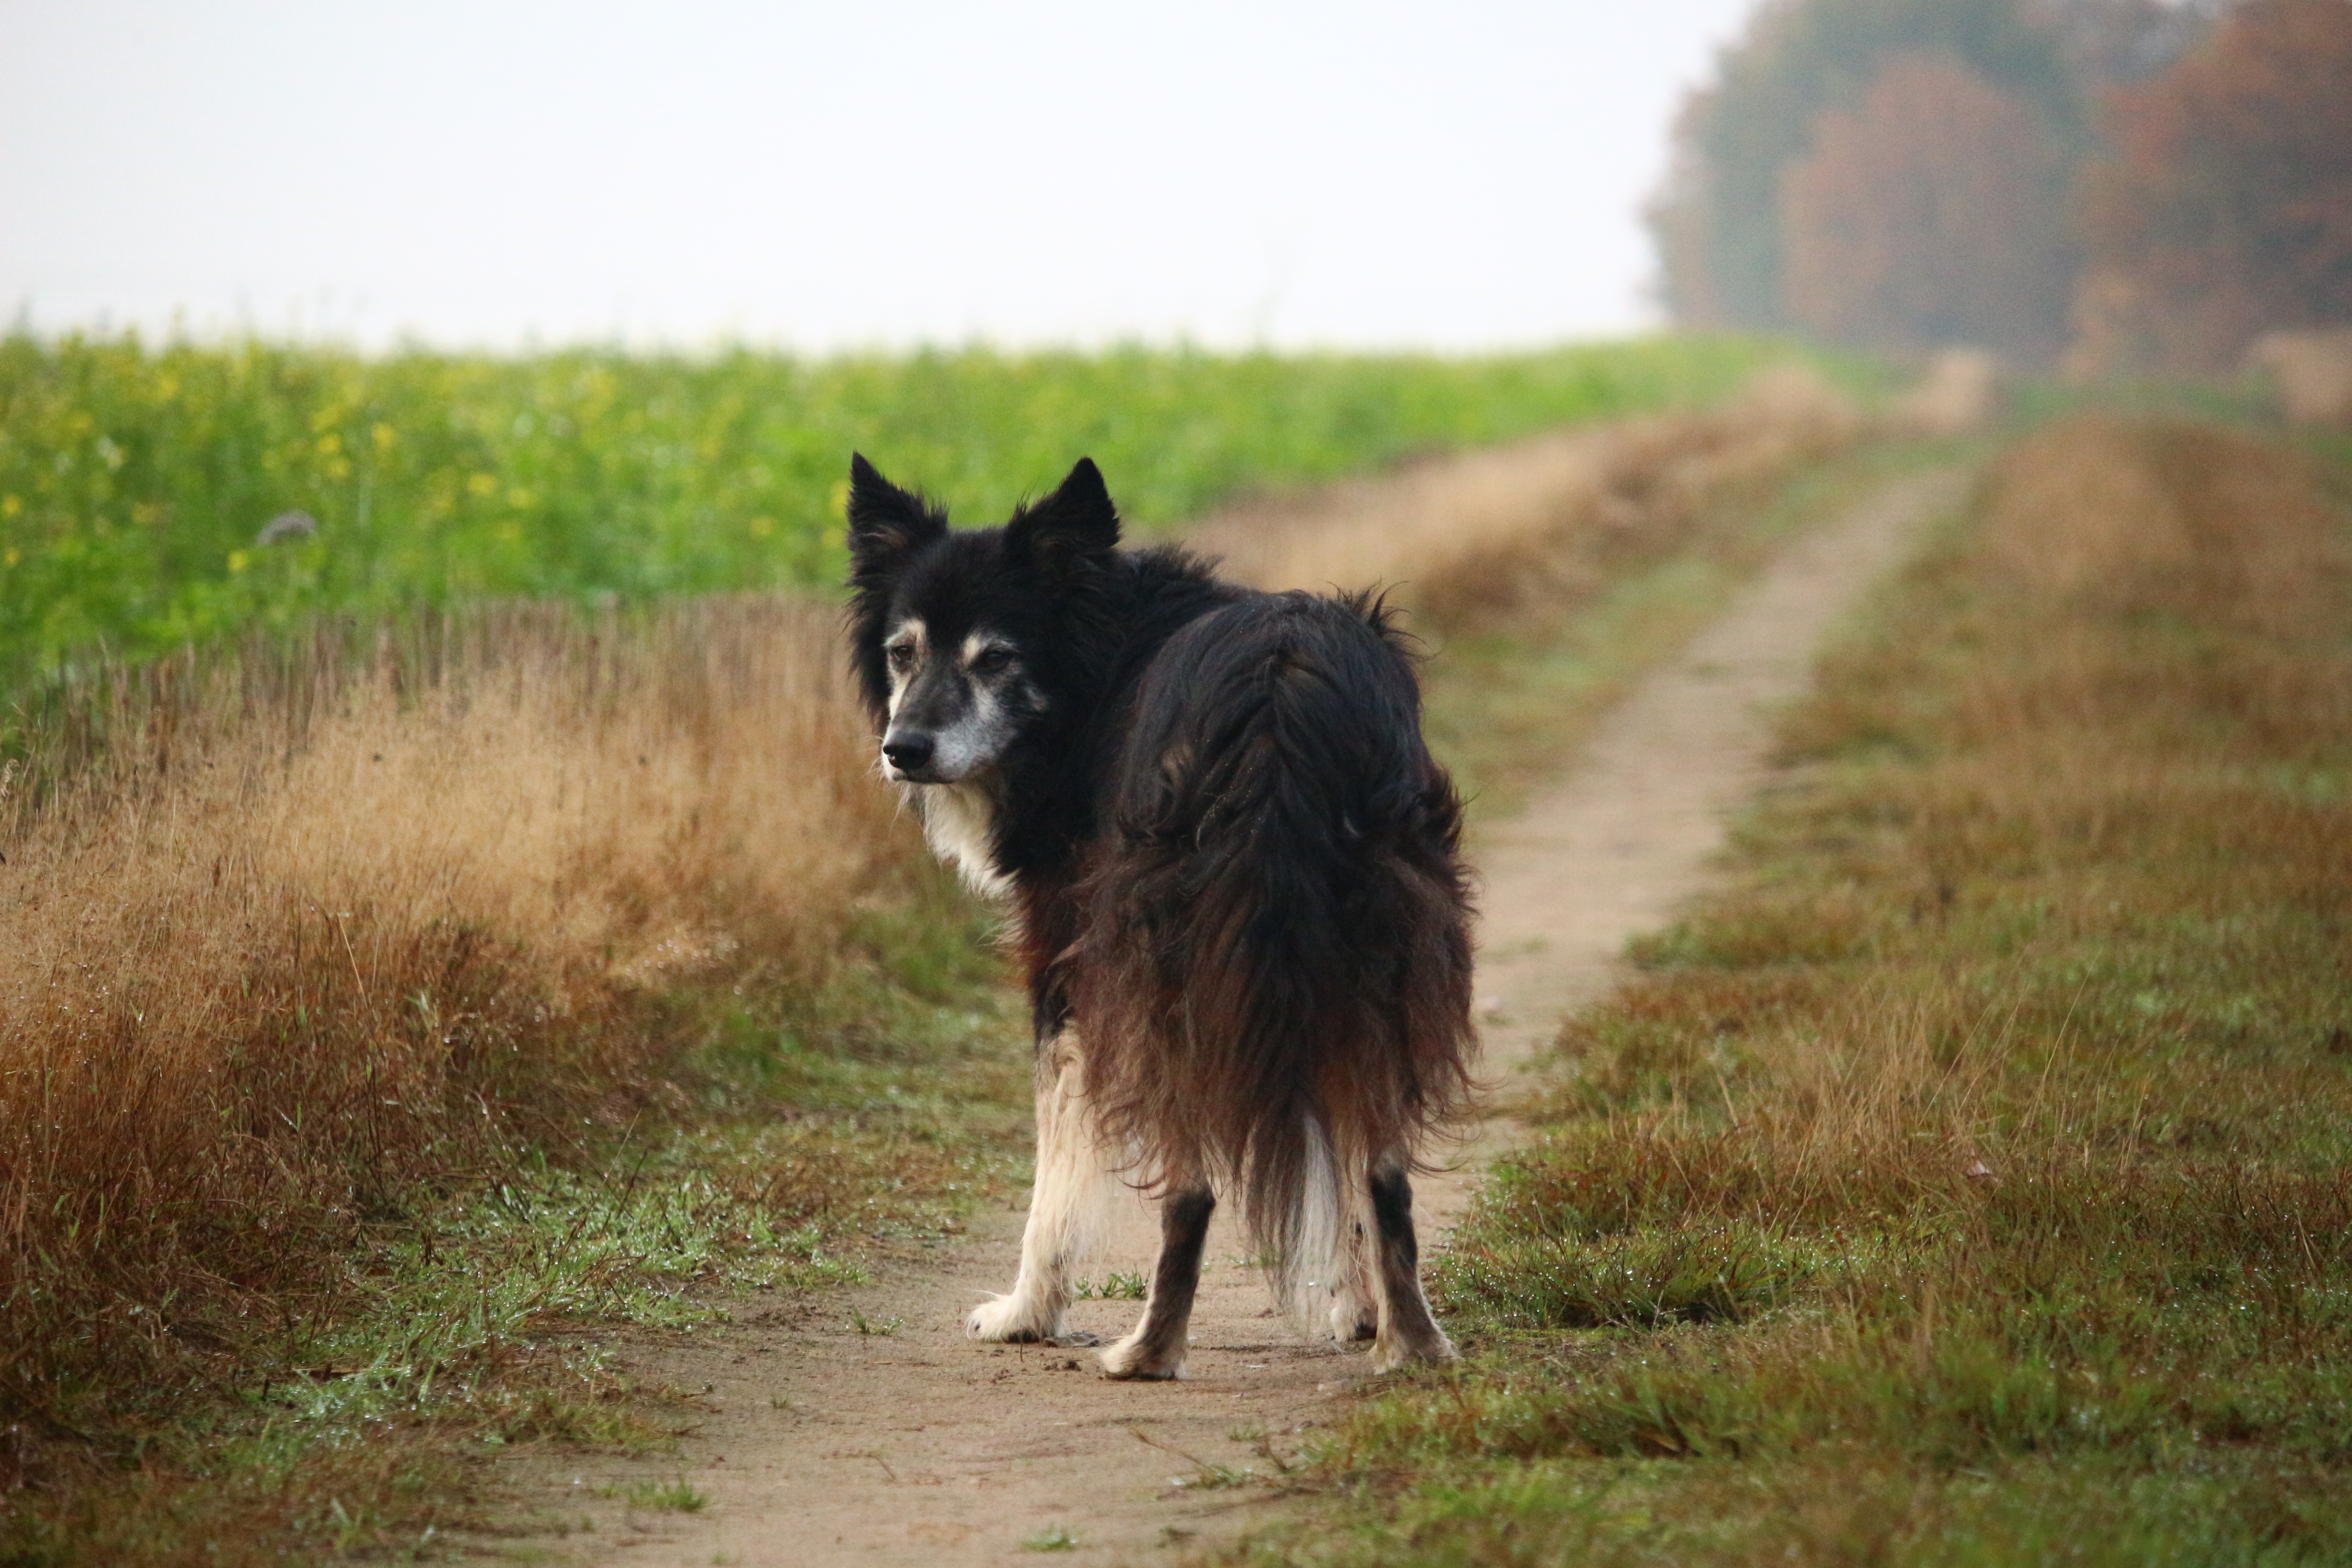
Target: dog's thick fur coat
x,y
1235,871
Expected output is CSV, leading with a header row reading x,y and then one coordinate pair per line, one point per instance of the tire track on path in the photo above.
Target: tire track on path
x,y
824,1445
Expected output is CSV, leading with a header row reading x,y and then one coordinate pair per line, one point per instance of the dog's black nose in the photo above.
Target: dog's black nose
x,y
908,749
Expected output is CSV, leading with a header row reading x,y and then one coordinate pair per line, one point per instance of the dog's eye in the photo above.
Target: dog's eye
x,y
901,655
989,660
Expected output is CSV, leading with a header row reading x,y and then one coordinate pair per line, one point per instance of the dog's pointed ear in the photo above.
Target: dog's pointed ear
x,y
1071,530
887,524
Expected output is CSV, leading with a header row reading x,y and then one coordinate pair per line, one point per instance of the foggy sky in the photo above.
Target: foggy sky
x,y
506,171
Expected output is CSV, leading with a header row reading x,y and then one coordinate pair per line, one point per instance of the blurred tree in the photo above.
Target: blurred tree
x,y
2112,42
1937,210
2223,204
1718,221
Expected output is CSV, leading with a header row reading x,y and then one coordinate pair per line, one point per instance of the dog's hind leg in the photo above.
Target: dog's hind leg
x,y
1408,1333
1074,1180
1155,1349
1355,1302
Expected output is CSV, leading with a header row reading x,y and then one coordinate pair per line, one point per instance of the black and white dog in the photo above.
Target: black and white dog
x,y
1235,869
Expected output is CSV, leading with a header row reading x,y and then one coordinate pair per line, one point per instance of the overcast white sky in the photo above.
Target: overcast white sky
x,y
499,171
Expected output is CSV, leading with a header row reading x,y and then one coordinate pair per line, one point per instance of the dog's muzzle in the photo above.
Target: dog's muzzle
x,y
909,754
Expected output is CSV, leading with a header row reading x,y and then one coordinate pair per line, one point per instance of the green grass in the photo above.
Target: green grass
x,y
134,480
1969,1182
672,1495
1113,1288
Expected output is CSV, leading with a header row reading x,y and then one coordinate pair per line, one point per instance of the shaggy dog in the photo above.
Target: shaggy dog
x,y
1233,869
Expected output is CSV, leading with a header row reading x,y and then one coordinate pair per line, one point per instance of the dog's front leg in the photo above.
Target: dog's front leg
x,y
1072,1177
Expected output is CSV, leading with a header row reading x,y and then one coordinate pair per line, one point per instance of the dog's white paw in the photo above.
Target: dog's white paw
x,y
1352,1319
1011,1320
1131,1361
1393,1355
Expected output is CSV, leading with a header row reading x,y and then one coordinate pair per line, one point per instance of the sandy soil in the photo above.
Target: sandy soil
x,y
823,1444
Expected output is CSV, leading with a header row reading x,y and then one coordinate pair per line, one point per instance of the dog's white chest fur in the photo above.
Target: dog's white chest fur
x,y
957,820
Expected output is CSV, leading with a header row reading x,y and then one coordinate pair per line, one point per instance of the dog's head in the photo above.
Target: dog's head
x,y
964,641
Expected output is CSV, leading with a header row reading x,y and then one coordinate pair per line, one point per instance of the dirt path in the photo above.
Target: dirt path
x,y
914,1445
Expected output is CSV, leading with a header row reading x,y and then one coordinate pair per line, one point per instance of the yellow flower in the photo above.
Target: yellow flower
x,y
841,499
384,435
236,561
762,526
10,558
482,484
331,443
10,506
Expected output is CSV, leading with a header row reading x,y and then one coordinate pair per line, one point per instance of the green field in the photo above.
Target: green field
x,y
134,480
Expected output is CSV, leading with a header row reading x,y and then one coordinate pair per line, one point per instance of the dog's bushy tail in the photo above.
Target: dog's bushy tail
x,y
1273,990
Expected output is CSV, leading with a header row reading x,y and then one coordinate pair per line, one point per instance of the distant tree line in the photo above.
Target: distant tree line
x,y
2131,184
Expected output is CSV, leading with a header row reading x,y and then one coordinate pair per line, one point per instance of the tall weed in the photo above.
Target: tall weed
x,y
283,937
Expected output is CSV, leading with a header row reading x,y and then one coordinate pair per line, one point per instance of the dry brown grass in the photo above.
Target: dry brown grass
x,y
279,937
2310,373
2198,520
1471,537
1958,391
